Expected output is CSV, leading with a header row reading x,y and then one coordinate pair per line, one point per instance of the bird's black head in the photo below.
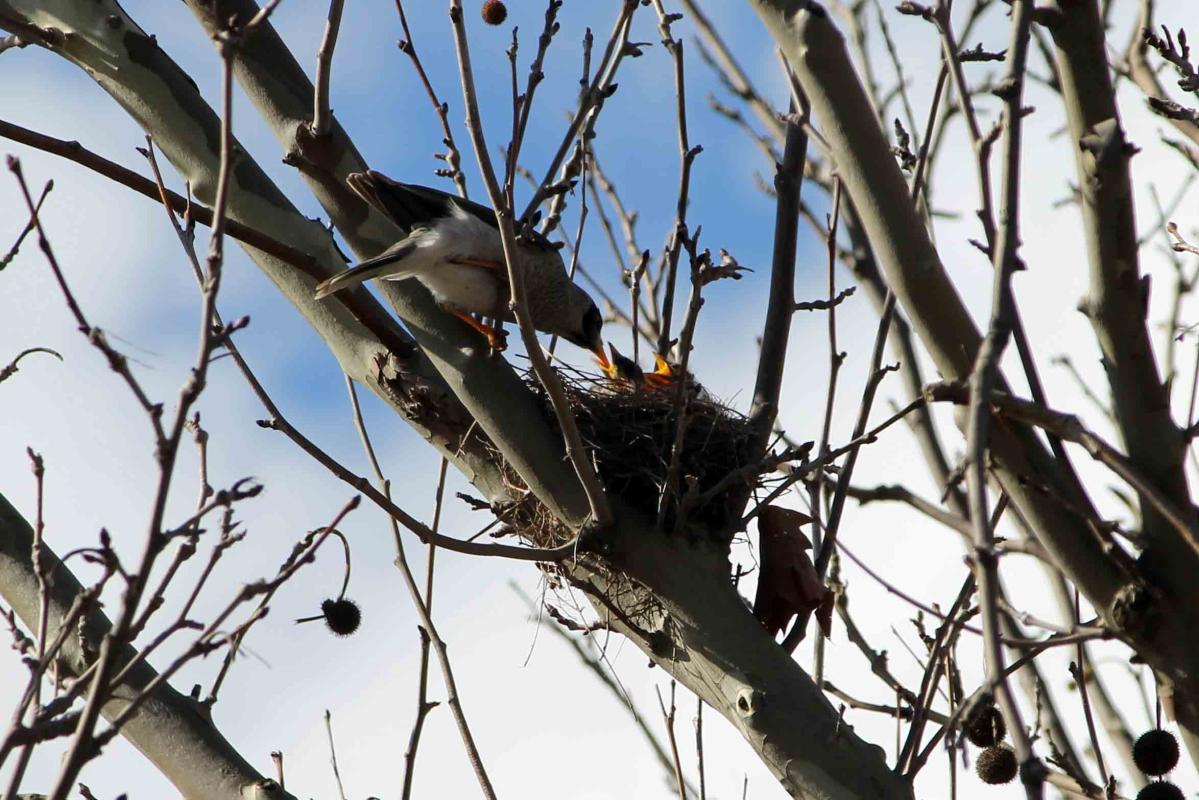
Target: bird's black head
x,y
590,335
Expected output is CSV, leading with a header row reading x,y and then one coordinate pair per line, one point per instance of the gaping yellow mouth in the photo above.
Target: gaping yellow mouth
x,y
622,369
663,374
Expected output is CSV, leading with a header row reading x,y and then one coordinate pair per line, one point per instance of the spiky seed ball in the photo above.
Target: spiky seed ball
x,y
1156,752
342,616
1160,790
495,12
985,727
996,765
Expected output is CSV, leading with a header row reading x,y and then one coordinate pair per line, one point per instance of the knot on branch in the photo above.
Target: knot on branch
x,y
1134,608
749,700
1107,146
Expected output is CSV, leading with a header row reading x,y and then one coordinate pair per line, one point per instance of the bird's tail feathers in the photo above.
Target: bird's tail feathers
x,y
382,264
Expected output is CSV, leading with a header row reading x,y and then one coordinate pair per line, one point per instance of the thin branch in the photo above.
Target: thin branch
x,y
428,628
668,718
333,755
322,114
1071,429
780,307
687,155
601,511
360,303
986,374
451,157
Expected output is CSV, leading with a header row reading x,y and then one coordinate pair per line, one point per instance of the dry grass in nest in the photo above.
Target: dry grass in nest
x,y
631,434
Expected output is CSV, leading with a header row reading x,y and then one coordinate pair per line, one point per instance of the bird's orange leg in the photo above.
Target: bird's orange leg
x,y
495,338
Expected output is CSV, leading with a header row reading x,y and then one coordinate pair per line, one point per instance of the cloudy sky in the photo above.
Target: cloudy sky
x,y
545,726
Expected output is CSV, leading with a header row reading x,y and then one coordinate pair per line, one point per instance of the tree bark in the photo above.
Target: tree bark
x,y
1146,616
175,732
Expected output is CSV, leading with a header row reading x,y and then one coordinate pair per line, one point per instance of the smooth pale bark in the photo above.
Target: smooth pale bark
x,y
1117,306
1160,629
684,612
175,732
496,398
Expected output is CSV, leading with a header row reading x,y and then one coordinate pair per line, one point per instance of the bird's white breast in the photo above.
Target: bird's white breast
x,y
468,288
457,236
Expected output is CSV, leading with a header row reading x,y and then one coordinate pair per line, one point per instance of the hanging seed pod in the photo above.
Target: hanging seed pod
x,y
494,12
342,616
985,726
1156,752
997,765
1160,790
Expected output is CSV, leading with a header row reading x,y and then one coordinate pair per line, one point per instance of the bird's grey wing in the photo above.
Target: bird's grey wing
x,y
408,205
386,264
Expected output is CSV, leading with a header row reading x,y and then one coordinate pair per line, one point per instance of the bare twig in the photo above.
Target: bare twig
x,y
429,630
687,155
668,718
7,258
601,511
360,303
333,755
986,373
451,157
11,369
780,307
322,114
590,103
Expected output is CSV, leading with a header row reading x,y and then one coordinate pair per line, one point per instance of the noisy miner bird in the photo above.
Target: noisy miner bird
x,y
453,247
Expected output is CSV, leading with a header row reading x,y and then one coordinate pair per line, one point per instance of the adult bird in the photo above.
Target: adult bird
x,y
453,247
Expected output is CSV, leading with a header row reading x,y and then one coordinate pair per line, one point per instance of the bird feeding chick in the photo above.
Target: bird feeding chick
x,y
453,247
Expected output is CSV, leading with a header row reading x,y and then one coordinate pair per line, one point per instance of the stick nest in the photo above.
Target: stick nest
x,y
630,433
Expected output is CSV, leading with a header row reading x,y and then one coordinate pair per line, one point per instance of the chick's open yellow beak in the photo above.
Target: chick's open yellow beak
x,y
601,358
663,374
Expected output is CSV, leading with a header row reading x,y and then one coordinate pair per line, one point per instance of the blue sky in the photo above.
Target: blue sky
x,y
121,257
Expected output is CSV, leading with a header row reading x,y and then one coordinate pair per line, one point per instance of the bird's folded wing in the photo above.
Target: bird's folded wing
x,y
408,205
383,264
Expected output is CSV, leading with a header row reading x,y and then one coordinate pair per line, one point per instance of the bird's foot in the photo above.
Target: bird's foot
x,y
497,339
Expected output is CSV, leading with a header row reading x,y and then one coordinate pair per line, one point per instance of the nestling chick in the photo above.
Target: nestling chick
x,y
453,247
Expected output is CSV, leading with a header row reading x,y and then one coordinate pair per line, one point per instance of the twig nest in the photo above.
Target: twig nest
x,y
985,726
342,616
494,12
997,765
1160,790
631,433
1156,752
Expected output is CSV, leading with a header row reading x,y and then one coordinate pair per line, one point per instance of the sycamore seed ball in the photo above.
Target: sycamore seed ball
x,y
1156,752
997,765
1160,790
342,616
494,12
985,727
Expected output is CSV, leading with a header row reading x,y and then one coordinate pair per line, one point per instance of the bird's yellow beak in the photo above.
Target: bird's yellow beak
x,y
663,374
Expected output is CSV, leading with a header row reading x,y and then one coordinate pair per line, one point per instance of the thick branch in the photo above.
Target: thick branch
x,y
787,182
684,612
172,730
901,245
492,392
1118,300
